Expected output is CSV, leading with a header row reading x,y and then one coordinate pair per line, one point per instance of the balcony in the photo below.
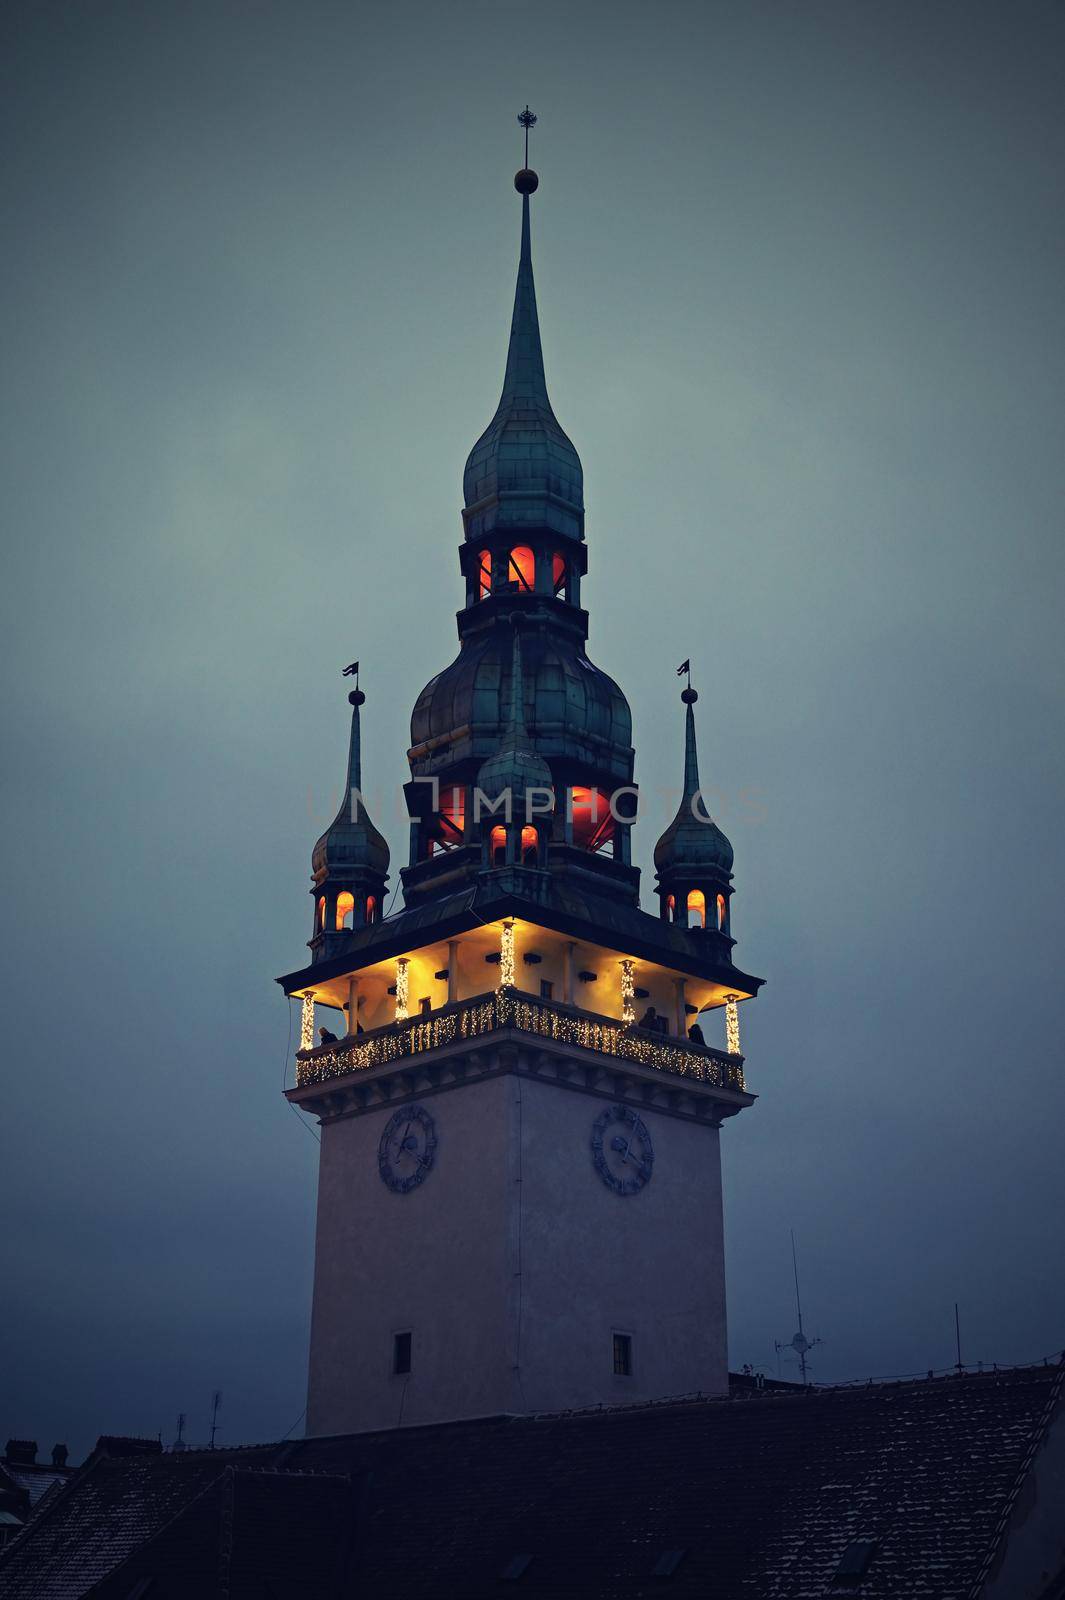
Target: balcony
x,y
512,1009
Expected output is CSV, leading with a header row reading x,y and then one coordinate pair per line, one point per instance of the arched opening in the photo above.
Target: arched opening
x,y
484,574
497,847
671,905
530,846
321,913
371,908
722,912
345,911
697,903
593,822
522,568
559,573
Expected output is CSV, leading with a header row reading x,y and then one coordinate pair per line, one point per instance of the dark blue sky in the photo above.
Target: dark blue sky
x,y
799,272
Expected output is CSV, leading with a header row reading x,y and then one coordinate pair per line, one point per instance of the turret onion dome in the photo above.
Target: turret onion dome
x,y
514,765
524,472
348,844
692,844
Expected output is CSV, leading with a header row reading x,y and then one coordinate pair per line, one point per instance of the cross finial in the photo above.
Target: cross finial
x,y
527,119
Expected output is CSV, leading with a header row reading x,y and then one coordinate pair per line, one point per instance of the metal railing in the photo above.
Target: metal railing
x,y
525,1013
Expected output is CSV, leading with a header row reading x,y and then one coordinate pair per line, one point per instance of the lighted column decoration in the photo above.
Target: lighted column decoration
x,y
506,957
680,1007
628,992
307,1022
402,989
732,1026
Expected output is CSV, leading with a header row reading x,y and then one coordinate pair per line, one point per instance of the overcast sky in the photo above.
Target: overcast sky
x,y
799,268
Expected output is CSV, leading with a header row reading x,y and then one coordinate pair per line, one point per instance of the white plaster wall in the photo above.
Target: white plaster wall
x,y
512,1264
432,1261
592,1261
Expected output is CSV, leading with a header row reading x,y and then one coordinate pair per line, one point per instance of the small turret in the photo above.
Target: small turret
x,y
693,858
349,864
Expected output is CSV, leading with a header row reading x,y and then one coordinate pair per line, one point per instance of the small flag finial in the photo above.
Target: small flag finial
x,y
527,119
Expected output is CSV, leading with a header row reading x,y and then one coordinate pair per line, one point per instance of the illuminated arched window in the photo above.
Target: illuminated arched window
x,y
522,568
697,903
345,911
498,847
321,912
371,908
722,911
558,573
672,904
529,846
484,573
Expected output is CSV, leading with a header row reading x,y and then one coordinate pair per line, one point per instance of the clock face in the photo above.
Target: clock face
x,y
622,1152
407,1150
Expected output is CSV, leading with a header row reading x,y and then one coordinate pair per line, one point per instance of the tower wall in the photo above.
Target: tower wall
x,y
513,1264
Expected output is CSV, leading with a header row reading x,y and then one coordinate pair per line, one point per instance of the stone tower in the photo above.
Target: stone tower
x,y
520,1193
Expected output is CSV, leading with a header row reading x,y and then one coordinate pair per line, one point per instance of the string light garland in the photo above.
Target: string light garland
x,y
732,1026
469,1019
506,957
402,990
628,992
307,1021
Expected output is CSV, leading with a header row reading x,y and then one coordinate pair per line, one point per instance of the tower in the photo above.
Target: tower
x,y
519,1196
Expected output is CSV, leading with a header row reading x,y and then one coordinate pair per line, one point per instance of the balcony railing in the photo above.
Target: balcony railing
x,y
511,1008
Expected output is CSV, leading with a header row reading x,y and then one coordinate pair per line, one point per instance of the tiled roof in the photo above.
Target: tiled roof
x,y
37,1480
762,1496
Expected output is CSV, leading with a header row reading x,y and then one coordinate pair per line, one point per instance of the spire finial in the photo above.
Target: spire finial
x,y
527,119
526,182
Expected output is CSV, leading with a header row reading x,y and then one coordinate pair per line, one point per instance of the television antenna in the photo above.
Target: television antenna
x,y
799,1343
179,1443
216,1401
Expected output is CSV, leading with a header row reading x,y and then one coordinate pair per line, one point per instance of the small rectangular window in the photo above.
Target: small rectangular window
x,y
547,989
400,1353
623,1355
425,1006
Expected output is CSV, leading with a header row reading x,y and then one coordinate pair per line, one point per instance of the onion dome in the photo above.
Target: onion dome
x,y
523,472
693,846
515,766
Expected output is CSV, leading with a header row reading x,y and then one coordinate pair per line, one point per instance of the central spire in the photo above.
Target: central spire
x,y
523,473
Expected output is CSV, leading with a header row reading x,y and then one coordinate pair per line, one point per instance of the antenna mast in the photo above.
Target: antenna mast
x,y
799,1342
216,1401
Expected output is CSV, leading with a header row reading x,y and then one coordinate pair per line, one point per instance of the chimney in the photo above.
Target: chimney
x,y
59,1455
20,1452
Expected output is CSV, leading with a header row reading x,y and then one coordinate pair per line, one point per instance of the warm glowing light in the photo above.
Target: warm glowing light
x,y
721,910
321,912
498,843
345,911
485,573
697,903
558,572
593,821
529,844
472,1018
371,908
307,1021
672,904
506,957
523,567
402,989
732,1026
628,992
